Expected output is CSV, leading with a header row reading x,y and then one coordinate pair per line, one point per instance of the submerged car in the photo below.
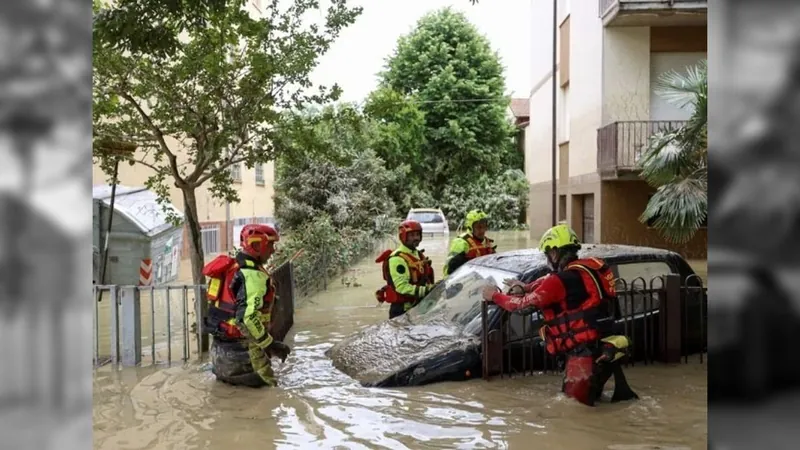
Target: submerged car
x,y
440,339
432,220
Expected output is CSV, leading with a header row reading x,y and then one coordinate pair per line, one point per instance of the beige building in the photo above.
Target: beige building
x,y
609,53
255,188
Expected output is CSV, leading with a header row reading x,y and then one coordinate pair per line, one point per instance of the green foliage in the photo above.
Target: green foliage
x,y
675,162
197,105
504,198
340,177
457,82
440,113
330,250
330,193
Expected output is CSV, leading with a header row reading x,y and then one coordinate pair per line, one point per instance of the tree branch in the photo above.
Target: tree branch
x,y
173,160
229,161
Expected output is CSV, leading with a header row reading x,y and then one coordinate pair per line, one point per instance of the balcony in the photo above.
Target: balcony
x,y
653,13
620,144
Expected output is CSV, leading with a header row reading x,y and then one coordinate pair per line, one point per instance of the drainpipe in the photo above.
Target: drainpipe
x,y
554,126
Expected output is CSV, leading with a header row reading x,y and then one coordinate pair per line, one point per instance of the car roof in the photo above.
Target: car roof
x,y
526,260
424,210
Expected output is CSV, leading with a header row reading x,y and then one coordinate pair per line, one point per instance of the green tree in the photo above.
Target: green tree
x,y
341,177
503,197
675,162
212,101
152,26
449,72
399,139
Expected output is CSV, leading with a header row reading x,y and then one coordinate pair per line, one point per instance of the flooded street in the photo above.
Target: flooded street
x,y
316,406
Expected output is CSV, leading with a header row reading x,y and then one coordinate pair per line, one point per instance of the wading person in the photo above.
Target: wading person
x,y
407,271
471,244
242,294
573,299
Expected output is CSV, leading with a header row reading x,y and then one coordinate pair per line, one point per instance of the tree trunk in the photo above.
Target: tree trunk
x,y
196,253
195,236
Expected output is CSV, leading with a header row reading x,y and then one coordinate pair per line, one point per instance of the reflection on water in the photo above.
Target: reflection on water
x,y
182,407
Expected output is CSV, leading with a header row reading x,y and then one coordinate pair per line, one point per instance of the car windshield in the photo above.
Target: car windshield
x,y
426,216
458,298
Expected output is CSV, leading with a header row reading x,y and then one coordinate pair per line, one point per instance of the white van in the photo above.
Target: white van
x,y
433,220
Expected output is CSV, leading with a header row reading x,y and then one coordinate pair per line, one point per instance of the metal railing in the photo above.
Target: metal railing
x,y
135,324
621,144
664,320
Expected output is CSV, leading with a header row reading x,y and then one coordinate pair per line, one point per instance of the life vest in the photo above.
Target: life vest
x,y
222,300
420,274
574,321
478,248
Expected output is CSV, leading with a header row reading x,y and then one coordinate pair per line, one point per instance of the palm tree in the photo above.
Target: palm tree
x,y
675,161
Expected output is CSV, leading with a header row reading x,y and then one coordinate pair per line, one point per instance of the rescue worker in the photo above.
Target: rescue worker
x,y
471,244
407,271
242,294
574,300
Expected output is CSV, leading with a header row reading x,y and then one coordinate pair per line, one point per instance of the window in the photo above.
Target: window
x,y
587,218
236,172
633,273
242,221
210,235
563,37
426,216
259,174
563,163
562,208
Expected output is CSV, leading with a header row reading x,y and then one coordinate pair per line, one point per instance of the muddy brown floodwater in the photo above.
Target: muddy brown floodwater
x,y
316,407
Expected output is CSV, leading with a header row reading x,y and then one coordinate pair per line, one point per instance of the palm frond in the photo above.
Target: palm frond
x,y
676,161
683,89
678,210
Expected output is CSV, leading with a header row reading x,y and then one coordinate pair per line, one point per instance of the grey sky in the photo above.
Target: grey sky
x,y
359,54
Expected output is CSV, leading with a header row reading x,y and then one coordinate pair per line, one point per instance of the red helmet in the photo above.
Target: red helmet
x,y
255,239
407,226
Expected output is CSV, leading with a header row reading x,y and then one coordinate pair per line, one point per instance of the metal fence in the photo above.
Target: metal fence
x,y
664,320
315,272
159,324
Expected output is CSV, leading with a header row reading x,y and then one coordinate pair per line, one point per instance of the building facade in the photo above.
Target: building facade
x,y
610,53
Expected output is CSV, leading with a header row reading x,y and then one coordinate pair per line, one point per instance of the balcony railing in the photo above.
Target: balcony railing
x,y
620,144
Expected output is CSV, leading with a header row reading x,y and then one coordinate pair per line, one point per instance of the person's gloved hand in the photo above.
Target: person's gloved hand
x,y
488,291
511,282
278,349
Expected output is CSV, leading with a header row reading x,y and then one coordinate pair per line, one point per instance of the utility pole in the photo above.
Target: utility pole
x,y
554,150
228,226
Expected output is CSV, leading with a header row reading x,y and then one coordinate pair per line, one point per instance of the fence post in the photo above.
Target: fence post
x,y
131,326
325,268
293,285
200,308
670,320
113,297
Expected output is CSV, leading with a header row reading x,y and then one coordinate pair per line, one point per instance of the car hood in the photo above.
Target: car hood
x,y
380,351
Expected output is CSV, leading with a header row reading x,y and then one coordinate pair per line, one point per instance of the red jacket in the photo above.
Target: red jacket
x,y
570,300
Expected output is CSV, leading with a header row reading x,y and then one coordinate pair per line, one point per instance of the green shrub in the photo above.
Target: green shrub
x,y
329,251
505,199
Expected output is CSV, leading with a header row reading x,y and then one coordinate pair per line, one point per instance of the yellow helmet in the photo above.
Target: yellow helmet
x,y
559,236
473,216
